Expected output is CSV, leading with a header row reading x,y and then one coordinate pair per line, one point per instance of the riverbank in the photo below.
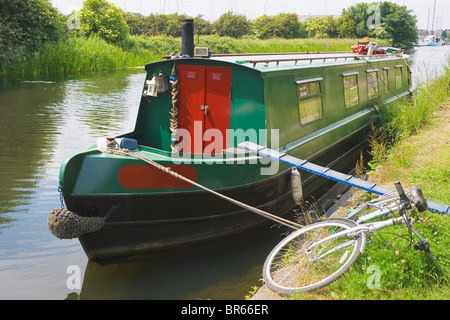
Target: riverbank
x,y
422,160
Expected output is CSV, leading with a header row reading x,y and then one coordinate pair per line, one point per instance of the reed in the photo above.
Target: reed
x,y
253,45
75,55
78,54
402,119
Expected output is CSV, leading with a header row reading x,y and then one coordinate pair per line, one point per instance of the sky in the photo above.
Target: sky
x,y
213,9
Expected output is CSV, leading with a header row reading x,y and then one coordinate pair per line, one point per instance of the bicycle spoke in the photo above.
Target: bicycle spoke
x,y
299,263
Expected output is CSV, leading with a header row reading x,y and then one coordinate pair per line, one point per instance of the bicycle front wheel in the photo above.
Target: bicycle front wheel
x,y
299,264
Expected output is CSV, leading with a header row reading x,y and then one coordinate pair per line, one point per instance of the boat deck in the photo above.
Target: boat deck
x,y
263,61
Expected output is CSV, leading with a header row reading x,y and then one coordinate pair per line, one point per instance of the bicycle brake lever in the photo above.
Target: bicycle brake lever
x,y
404,200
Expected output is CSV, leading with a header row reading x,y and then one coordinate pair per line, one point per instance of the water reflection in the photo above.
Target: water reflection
x,y
428,62
196,272
41,123
99,103
29,123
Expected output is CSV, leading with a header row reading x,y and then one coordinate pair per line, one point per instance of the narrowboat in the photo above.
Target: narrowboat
x,y
195,109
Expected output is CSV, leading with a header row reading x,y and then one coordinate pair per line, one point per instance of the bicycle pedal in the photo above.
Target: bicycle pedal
x,y
422,245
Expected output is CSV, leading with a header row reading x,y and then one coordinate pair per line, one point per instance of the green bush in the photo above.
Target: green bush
x,y
104,19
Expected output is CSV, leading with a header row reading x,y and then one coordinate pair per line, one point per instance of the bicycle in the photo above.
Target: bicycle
x,y
316,255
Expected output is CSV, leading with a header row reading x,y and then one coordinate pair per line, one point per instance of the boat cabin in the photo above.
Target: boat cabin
x,y
298,94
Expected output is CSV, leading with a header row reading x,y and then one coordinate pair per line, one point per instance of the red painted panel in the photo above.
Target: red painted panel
x,y
205,86
218,84
191,96
148,177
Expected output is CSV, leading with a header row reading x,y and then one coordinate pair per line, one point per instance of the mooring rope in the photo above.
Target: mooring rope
x,y
126,152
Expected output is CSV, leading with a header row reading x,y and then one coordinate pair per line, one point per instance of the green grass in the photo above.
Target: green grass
x,y
402,120
419,155
422,160
79,54
252,45
409,275
417,133
75,55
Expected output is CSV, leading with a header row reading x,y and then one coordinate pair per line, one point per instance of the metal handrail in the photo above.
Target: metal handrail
x,y
356,56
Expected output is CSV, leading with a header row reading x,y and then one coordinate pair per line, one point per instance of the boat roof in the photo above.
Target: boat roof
x,y
277,61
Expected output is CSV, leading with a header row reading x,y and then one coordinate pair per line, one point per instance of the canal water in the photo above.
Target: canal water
x,y
44,120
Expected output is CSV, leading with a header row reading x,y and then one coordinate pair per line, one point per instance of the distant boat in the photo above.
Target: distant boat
x,y
431,41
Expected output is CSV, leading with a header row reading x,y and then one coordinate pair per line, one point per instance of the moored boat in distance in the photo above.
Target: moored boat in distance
x,y
195,110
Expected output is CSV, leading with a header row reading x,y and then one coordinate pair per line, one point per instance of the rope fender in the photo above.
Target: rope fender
x,y
65,224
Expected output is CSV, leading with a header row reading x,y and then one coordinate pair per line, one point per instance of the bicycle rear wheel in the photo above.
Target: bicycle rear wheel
x,y
295,265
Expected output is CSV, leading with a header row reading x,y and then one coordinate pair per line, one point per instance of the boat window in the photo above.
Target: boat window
x,y
372,84
386,80
351,89
309,100
398,77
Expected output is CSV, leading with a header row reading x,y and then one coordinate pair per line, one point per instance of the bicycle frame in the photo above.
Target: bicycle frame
x,y
360,230
378,213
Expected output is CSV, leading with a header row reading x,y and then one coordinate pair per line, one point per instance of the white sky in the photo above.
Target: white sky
x,y
212,9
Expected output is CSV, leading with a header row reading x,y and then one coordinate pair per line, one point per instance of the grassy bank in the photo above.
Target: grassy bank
x,y
412,146
423,160
74,55
79,54
403,119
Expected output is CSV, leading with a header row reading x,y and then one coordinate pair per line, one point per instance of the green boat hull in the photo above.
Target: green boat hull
x,y
148,209
144,221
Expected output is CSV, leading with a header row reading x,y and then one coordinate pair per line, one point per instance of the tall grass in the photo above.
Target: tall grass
x,y
253,45
76,54
404,118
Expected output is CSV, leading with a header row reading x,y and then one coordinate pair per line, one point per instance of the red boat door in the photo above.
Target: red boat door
x,y
204,106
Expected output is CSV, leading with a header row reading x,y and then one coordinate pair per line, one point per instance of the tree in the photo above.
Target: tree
x,y
105,19
396,22
402,27
137,23
345,26
28,23
358,13
264,27
283,25
155,24
232,25
287,25
173,25
202,26
321,27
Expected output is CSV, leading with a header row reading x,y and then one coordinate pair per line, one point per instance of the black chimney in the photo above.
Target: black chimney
x,y
187,38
